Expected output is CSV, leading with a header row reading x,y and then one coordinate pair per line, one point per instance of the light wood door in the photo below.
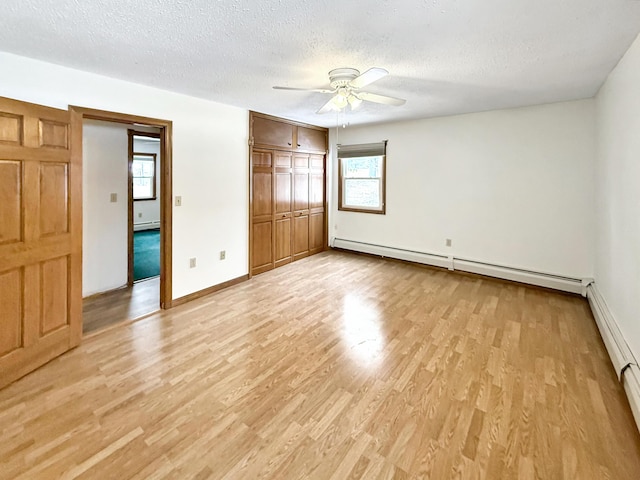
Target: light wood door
x,y
300,206
283,212
261,212
316,204
40,238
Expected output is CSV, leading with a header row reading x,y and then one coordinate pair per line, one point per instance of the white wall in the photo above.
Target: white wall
x,y
509,187
617,266
210,160
104,244
148,210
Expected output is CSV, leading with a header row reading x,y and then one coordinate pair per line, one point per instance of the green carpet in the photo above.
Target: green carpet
x,y
146,254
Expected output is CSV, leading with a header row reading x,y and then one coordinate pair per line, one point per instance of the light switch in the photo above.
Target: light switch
x,y
114,197
178,201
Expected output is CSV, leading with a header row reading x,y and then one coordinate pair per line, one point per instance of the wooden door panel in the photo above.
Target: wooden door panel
x,y
301,161
283,241
40,232
10,128
283,159
54,281
300,236
54,198
262,247
54,134
272,132
316,232
262,194
301,191
316,162
283,193
261,159
10,202
312,139
316,189
11,311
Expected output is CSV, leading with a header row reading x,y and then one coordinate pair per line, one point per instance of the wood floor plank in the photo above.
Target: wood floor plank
x,y
335,366
121,304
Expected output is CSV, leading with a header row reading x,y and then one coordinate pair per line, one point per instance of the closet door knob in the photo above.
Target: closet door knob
x,y
289,143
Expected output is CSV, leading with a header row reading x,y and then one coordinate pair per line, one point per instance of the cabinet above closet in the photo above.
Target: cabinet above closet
x,y
271,132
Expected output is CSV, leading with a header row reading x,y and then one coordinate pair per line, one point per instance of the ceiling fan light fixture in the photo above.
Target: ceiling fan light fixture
x,y
354,101
340,101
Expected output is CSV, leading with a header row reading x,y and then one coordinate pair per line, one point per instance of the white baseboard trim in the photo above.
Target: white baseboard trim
x,y
631,384
617,347
399,254
541,279
621,355
137,227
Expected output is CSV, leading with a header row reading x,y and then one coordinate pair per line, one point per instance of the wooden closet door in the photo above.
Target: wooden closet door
x,y
261,211
300,206
317,197
283,212
40,238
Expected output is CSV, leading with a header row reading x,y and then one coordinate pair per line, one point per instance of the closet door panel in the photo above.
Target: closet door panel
x,y
301,190
262,194
316,232
262,247
300,236
283,241
316,190
283,192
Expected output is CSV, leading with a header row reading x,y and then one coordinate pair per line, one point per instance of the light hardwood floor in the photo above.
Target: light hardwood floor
x,y
337,366
126,303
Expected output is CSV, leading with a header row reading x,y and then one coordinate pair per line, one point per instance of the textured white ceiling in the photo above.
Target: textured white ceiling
x,y
445,56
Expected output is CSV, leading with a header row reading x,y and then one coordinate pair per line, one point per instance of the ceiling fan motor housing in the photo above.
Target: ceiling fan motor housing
x,y
340,77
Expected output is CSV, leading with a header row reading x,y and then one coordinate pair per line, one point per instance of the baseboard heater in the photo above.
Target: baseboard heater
x,y
557,282
146,226
621,355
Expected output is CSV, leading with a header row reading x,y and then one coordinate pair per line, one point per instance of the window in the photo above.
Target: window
x,y
143,174
361,186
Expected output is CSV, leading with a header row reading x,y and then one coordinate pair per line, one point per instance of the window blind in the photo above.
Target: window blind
x,y
362,150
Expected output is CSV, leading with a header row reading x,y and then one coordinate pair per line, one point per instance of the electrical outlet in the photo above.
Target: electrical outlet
x,y
448,242
178,201
192,262
223,254
114,197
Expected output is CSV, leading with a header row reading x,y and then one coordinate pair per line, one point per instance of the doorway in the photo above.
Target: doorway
x,y
145,194
134,299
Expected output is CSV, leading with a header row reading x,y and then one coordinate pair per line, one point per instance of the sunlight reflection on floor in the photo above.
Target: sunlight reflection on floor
x,y
362,330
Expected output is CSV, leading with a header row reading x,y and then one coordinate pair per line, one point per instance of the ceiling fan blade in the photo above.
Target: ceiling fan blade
x,y
374,97
319,90
368,77
327,107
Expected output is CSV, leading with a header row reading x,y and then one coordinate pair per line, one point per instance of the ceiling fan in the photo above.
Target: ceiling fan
x,y
345,86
